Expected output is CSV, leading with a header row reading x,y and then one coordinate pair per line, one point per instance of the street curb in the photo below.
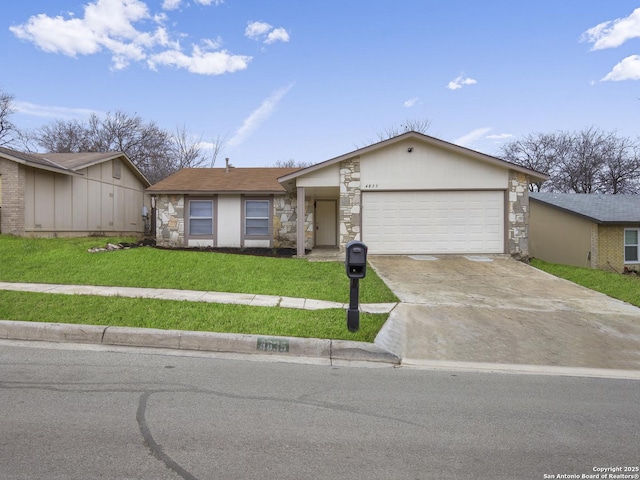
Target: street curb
x,y
196,341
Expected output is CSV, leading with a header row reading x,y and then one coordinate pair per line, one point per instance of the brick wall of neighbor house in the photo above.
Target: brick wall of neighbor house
x,y
594,253
518,214
611,247
12,202
350,198
170,220
285,220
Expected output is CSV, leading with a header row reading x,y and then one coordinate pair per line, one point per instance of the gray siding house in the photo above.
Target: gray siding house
x,y
70,194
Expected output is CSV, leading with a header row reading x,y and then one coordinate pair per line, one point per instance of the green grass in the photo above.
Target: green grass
x,y
615,285
67,261
182,315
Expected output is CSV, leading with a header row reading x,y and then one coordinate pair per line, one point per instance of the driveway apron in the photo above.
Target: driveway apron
x,y
496,309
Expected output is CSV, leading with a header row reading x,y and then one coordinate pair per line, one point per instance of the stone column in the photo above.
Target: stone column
x,y
350,198
518,215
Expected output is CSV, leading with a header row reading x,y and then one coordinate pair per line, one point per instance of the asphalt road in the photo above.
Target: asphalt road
x,y
78,413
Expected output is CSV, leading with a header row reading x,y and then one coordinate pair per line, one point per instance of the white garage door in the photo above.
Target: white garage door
x,y
433,222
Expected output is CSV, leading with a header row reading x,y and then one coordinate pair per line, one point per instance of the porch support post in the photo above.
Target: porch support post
x,y
301,215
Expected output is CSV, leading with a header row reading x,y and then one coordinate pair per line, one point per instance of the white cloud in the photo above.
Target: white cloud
x,y
258,116
109,25
411,102
255,30
277,35
459,82
171,4
613,33
201,61
472,136
627,69
48,111
499,136
262,31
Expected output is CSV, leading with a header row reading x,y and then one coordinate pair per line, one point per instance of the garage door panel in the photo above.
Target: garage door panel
x,y
433,222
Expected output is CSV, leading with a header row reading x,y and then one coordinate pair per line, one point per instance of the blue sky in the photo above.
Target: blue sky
x,y
313,79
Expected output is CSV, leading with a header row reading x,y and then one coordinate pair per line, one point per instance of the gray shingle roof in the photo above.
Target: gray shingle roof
x,y
597,207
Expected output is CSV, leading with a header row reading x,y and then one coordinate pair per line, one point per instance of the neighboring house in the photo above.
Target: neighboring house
x,y
586,230
410,194
70,194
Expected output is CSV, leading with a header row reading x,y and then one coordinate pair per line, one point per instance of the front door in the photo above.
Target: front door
x,y
326,227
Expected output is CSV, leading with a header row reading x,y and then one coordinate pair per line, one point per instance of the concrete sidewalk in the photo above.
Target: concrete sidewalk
x,y
322,351
193,296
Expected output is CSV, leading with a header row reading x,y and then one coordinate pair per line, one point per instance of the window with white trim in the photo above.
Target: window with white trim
x,y
256,218
631,237
201,217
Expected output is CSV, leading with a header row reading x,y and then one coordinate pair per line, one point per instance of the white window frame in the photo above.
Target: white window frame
x,y
267,218
636,245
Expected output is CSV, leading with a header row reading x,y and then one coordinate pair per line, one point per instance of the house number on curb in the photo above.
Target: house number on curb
x,y
280,345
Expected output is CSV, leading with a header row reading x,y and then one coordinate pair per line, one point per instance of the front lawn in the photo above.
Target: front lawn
x,y
615,285
182,315
67,261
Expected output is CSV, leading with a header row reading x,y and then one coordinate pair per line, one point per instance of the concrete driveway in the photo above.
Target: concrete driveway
x,y
495,309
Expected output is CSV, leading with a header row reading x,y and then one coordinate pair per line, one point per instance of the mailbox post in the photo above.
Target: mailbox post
x,y
356,266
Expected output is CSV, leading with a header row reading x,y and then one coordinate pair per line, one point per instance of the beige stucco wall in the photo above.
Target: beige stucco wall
x,y
559,237
230,220
324,177
426,167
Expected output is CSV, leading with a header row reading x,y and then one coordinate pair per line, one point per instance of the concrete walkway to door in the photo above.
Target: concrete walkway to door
x,y
495,309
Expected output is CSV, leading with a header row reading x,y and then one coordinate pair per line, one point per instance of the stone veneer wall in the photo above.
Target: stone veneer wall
x,y
170,220
518,215
170,228
285,221
12,176
350,197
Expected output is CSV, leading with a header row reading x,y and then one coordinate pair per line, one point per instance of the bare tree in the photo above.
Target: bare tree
x,y
186,152
65,136
621,171
150,148
218,145
8,131
586,161
409,125
537,151
291,163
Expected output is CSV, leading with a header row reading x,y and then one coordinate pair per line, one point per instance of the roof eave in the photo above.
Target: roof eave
x,y
215,192
534,175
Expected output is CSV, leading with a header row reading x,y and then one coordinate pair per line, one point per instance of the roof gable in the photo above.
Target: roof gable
x,y
221,180
604,209
69,163
535,176
34,160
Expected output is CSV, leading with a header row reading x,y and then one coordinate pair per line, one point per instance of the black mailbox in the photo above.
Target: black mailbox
x,y
356,259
